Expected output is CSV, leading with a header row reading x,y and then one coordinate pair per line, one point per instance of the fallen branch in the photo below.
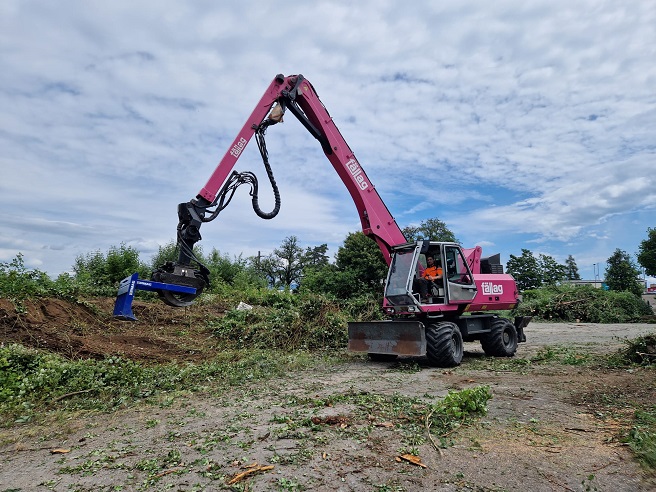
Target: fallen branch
x,y
251,471
578,429
647,356
61,397
427,424
59,451
604,466
168,472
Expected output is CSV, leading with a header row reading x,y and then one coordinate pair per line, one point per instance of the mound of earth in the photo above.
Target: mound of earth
x,y
87,329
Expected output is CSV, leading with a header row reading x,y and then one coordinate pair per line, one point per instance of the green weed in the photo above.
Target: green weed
x,y
415,419
642,437
33,382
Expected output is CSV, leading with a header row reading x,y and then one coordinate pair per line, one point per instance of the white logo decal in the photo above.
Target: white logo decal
x,y
356,172
238,147
491,289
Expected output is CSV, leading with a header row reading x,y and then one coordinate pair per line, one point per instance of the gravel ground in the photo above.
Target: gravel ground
x,y
548,429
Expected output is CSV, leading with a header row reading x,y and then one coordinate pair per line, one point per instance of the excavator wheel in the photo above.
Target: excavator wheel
x,y
444,347
502,339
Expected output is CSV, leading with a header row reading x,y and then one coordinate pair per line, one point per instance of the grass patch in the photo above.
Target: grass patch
x,y
417,420
642,437
548,355
34,383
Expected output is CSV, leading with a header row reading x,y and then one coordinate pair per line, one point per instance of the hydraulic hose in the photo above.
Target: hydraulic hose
x,y
261,144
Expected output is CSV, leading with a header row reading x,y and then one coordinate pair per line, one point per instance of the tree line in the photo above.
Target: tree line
x,y
358,269
622,273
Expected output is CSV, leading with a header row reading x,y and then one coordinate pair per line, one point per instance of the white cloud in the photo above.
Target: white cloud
x,y
514,122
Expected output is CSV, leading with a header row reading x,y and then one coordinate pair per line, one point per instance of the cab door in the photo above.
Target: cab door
x,y
402,271
459,281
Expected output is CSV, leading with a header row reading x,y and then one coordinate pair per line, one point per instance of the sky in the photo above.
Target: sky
x,y
521,125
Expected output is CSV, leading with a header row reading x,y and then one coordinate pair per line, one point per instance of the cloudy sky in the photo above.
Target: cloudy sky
x,y
520,124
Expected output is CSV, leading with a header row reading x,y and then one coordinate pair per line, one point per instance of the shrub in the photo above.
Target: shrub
x,y
99,274
640,350
18,282
282,320
582,304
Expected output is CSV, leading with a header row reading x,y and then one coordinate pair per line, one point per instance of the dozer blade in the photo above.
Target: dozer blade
x,y
387,337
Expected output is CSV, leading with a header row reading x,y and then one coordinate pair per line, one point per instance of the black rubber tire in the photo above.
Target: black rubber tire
x,y
382,357
444,347
502,340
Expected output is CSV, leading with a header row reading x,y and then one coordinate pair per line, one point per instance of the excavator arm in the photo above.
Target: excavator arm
x,y
295,94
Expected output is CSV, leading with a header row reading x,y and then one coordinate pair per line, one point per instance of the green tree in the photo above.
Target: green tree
x,y
430,229
525,269
236,272
531,272
362,257
622,274
224,269
315,257
166,253
169,252
122,261
647,252
571,270
359,269
284,266
332,281
551,272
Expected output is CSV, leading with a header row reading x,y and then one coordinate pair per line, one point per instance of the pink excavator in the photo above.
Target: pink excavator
x,y
431,321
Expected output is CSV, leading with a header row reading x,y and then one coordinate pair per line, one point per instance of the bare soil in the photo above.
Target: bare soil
x,y
550,426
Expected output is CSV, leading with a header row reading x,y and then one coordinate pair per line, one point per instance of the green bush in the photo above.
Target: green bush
x,y
582,304
99,274
282,320
94,275
18,282
640,350
459,405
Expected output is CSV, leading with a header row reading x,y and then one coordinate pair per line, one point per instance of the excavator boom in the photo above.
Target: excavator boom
x,y
296,94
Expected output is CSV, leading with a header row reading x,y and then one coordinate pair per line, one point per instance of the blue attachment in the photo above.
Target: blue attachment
x,y
127,288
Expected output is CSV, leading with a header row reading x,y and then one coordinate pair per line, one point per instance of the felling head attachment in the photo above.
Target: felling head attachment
x,y
172,273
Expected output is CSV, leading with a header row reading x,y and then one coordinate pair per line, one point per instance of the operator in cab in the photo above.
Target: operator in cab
x,y
432,273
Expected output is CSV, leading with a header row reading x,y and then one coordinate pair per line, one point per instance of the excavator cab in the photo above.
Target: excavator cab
x,y
409,261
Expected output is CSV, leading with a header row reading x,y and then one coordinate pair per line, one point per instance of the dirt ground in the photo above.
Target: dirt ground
x,y
549,427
